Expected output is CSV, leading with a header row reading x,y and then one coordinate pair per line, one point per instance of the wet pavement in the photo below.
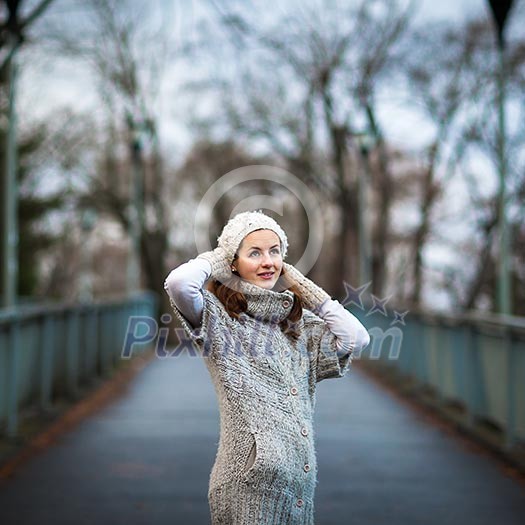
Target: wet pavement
x,y
146,458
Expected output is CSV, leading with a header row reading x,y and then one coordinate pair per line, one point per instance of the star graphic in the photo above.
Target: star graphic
x,y
399,318
353,295
379,305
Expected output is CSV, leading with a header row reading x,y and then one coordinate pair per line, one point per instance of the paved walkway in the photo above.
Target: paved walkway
x,y
146,458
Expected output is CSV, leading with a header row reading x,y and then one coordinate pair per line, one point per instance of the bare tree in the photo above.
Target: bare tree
x,y
322,84
444,78
15,22
118,42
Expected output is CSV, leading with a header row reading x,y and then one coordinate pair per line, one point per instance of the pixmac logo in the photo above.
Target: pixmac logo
x,y
378,337
143,330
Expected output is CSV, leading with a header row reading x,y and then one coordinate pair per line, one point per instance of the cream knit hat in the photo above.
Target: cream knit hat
x,y
244,223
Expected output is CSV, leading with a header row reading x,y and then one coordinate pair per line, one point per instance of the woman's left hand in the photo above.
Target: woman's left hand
x,y
313,295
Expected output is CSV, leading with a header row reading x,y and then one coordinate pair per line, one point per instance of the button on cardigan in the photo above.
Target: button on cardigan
x,y
265,471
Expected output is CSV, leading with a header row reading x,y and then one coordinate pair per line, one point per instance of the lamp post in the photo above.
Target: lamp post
x,y
88,219
10,192
136,205
364,142
500,10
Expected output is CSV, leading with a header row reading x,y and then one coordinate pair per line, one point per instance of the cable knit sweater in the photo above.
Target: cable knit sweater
x,y
265,470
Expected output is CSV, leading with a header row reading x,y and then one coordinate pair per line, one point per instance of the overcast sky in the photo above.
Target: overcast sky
x,y
447,9
51,84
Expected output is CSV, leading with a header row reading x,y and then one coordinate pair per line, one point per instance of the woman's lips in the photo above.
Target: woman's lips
x,y
268,275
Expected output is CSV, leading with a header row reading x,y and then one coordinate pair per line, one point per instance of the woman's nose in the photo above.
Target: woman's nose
x,y
267,260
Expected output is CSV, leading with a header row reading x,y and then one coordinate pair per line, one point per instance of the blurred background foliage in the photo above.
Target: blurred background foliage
x,y
336,93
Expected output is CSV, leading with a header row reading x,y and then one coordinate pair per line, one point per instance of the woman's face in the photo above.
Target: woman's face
x,y
259,258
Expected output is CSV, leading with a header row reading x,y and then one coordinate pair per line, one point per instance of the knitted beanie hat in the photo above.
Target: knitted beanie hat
x,y
244,223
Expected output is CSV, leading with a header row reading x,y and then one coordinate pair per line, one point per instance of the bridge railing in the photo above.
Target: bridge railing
x,y
472,361
50,351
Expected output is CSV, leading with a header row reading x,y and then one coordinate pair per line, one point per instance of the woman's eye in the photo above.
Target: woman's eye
x,y
275,250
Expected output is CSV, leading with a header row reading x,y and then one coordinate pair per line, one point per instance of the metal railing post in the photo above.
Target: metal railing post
x,y
72,341
12,380
47,355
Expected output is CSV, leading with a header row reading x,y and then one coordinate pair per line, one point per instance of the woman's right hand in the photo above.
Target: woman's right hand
x,y
220,267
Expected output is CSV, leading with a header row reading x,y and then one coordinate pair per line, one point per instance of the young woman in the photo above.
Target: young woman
x,y
269,335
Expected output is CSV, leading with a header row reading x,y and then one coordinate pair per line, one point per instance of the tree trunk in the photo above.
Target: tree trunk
x,y
4,98
430,192
153,250
484,267
382,227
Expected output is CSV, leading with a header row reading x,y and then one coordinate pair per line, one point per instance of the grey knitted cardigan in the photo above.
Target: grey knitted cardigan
x,y
265,470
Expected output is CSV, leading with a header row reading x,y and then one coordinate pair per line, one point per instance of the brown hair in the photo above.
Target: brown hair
x,y
235,303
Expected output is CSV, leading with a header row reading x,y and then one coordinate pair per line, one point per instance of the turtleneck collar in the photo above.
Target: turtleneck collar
x,y
267,305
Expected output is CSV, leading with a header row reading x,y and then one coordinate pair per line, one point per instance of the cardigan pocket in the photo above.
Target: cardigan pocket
x,y
253,458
